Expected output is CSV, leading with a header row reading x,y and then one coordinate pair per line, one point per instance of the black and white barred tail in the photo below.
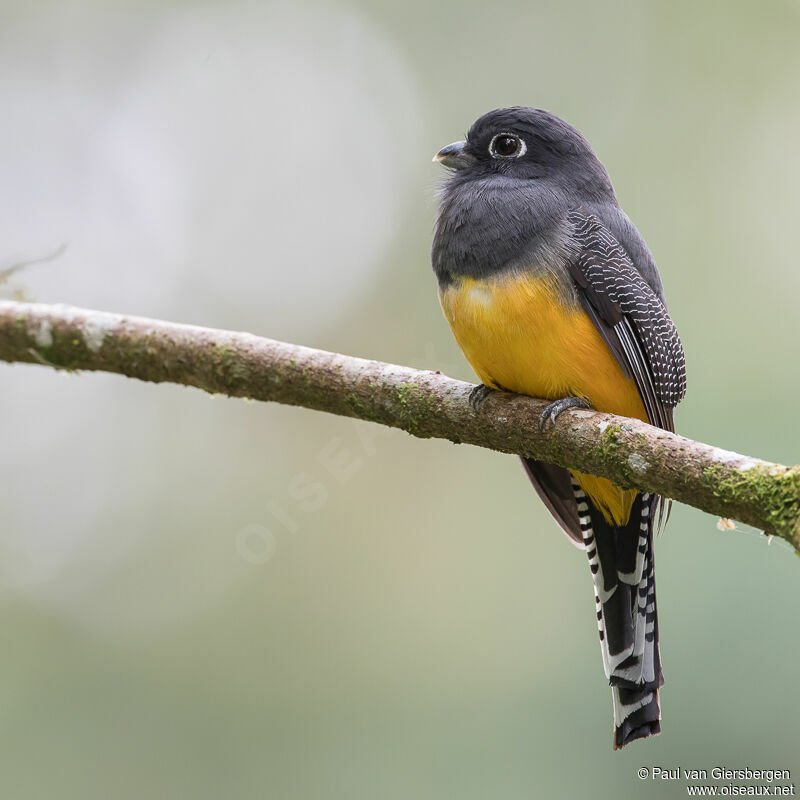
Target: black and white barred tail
x,y
623,572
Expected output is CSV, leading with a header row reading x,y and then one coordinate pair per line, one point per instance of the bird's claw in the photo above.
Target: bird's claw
x,y
555,409
478,396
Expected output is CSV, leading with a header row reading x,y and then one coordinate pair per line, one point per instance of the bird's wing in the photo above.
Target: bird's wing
x,y
632,320
637,328
630,317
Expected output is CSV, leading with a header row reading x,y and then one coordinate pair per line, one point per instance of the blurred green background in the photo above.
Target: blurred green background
x,y
191,603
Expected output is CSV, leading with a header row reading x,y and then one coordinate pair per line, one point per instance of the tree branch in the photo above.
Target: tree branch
x,y
426,404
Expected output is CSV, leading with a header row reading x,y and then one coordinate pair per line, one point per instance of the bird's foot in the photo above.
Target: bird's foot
x,y
477,397
553,410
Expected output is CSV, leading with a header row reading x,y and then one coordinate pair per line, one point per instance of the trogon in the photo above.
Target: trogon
x,y
551,291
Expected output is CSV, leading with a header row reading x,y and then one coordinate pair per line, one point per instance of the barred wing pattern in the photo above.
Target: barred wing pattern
x,y
632,319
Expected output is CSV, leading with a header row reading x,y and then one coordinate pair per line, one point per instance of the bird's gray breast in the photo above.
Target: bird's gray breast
x,y
487,228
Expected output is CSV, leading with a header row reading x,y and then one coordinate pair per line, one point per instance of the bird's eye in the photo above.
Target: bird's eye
x,y
506,145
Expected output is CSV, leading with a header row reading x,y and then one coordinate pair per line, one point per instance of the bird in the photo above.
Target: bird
x,y
550,291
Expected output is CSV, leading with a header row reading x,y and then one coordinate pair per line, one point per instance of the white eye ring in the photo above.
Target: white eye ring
x,y
521,150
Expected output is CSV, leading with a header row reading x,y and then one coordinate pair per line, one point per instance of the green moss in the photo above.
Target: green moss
x,y
360,408
229,366
775,491
64,352
609,442
609,445
412,405
615,445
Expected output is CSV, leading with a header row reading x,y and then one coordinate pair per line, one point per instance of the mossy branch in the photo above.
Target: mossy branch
x,y
426,404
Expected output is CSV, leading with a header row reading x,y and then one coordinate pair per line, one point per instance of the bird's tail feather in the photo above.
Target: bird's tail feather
x,y
621,561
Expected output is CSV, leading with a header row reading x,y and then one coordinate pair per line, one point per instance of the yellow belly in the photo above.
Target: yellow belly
x,y
519,334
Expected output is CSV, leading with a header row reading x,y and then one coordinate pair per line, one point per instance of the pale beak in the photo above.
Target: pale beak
x,y
454,156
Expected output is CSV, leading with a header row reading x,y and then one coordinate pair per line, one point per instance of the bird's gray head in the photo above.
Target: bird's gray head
x,y
526,144
512,181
